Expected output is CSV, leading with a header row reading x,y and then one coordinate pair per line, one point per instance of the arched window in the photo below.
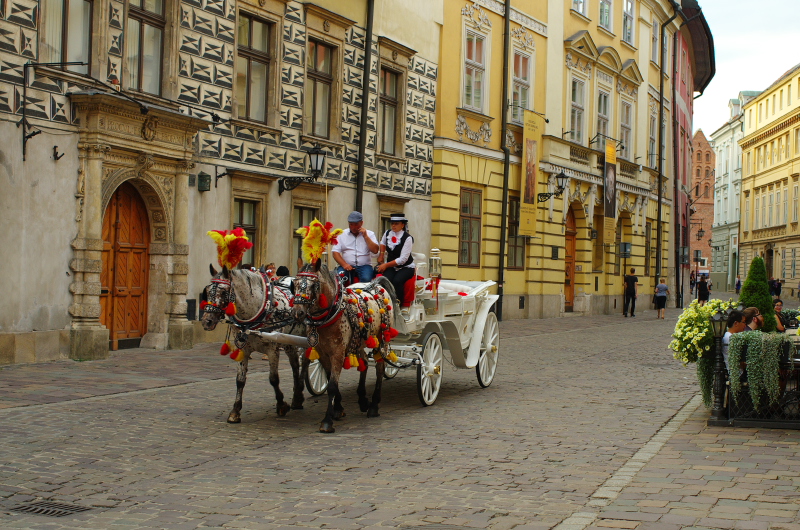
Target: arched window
x,y
697,189
699,156
698,173
705,193
708,158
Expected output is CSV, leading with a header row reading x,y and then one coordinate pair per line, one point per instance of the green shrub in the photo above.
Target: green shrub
x,y
755,293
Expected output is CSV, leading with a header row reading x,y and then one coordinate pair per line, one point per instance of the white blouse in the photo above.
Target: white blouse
x,y
390,240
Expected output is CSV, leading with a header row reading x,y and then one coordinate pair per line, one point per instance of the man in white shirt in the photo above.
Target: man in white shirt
x,y
736,324
354,249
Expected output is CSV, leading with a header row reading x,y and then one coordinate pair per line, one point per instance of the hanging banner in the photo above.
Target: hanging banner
x,y
610,193
529,181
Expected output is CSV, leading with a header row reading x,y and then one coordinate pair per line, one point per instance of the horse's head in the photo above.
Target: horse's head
x,y
307,287
216,297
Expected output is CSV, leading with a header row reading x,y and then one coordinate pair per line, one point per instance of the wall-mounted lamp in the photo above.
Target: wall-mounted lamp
x,y
561,180
316,163
700,234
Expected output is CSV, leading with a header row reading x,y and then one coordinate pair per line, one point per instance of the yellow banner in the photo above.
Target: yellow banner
x,y
531,153
610,193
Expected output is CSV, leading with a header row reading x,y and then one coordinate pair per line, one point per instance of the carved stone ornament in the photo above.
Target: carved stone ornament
x,y
394,55
483,133
524,38
143,164
624,88
586,67
480,20
326,26
149,128
262,2
511,143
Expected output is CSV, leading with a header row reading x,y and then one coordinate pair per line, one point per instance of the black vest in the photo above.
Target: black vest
x,y
398,249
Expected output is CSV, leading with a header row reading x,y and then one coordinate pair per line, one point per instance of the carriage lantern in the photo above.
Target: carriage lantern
x,y
435,264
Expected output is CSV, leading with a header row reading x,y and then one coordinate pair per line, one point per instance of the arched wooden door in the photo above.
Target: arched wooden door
x,y
126,242
569,262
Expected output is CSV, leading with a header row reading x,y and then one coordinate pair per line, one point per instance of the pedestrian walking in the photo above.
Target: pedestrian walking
x,y
739,285
778,287
631,292
661,293
771,284
692,282
703,291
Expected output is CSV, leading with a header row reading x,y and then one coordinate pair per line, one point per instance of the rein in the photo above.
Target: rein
x,y
326,315
260,319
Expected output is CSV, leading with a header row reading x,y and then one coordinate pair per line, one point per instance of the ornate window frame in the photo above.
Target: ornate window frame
x,y
394,57
476,21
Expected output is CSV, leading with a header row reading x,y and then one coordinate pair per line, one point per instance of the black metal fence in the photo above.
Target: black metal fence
x,y
784,414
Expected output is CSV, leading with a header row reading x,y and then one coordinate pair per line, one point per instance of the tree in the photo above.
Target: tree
x,y
755,293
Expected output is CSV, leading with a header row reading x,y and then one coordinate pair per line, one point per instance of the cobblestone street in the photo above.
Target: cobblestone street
x,y
588,423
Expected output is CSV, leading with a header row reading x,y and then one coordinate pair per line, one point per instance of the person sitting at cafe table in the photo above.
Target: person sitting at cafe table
x,y
780,319
735,325
752,319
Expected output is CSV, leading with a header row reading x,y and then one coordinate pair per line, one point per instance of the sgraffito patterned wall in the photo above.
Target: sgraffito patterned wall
x,y
204,53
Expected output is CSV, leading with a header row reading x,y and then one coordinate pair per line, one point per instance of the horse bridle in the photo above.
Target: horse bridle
x,y
210,307
308,290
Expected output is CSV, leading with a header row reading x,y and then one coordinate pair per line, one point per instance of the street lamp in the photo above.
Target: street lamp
x,y
700,234
719,322
561,181
316,161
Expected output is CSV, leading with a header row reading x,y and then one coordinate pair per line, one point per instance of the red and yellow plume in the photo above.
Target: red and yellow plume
x,y
231,246
316,238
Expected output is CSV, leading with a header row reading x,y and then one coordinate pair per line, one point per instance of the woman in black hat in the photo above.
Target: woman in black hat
x,y
396,245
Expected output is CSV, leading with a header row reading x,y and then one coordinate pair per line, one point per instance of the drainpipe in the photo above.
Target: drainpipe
x,y
506,162
363,132
676,188
659,228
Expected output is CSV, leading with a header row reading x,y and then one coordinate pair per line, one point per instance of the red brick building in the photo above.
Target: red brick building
x,y
701,210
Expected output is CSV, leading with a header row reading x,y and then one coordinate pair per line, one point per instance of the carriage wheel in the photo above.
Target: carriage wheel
x,y
429,372
490,349
316,378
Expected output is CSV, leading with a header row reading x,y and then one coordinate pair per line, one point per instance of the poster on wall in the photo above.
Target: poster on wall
x,y
610,192
531,147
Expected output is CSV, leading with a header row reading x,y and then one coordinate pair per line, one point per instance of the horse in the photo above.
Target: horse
x,y
259,304
340,330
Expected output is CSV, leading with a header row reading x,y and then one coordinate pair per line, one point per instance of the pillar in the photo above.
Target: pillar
x,y
180,330
88,337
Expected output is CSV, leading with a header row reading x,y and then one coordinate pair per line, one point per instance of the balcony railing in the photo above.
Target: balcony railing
x,y
579,154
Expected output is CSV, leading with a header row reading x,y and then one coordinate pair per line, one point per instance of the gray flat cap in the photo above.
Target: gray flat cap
x,y
355,217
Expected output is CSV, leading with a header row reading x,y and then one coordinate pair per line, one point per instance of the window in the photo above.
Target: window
x,y
794,204
605,14
708,158
756,224
780,101
301,216
651,146
522,86
145,37
67,32
470,240
698,173
244,216
778,207
769,216
746,215
579,6
654,42
763,211
627,21
602,113
474,70
699,156
625,123
388,111
685,67
252,68
319,68
576,114
794,263
785,205
516,244
697,186
788,95
648,234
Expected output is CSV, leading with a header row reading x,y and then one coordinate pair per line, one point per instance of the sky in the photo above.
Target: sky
x,y
755,43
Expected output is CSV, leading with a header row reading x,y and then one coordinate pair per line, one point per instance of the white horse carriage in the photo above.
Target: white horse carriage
x,y
448,320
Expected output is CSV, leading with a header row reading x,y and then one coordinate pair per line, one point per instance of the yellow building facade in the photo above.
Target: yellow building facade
x,y
770,187
592,70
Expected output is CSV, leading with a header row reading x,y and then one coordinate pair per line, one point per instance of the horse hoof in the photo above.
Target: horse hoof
x,y
373,412
363,404
234,418
283,409
338,414
297,407
326,427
